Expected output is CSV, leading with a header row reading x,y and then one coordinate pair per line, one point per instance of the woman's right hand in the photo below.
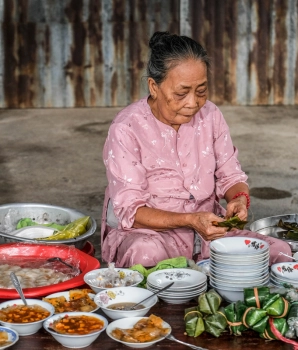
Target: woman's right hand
x,y
202,223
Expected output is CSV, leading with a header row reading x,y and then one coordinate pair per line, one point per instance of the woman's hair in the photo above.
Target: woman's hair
x,y
168,50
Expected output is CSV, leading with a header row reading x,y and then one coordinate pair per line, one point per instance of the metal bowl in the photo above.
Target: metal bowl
x,y
10,214
268,227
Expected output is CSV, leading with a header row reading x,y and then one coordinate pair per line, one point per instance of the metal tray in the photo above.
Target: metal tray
x,y
43,213
267,227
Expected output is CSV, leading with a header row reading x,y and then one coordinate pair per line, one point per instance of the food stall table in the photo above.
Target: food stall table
x,y
173,314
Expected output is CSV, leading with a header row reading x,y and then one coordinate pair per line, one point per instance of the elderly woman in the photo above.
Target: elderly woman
x,y
169,160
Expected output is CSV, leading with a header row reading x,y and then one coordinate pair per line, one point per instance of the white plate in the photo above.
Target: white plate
x,y
239,246
237,286
129,322
181,294
231,258
178,290
13,337
66,296
288,270
182,278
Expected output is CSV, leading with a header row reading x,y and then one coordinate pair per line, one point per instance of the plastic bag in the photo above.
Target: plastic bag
x,y
38,265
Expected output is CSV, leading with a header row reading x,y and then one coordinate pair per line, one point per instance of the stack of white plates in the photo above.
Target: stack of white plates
x,y
284,272
237,263
188,284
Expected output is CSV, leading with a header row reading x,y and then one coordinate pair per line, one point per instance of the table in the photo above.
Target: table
x,y
173,314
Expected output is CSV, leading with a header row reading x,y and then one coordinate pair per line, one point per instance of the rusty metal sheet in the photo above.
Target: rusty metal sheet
x,y
87,53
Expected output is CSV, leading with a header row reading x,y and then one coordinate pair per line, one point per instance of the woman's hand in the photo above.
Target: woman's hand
x,y
202,223
237,207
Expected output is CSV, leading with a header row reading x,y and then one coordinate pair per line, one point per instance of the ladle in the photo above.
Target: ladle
x,y
161,290
18,287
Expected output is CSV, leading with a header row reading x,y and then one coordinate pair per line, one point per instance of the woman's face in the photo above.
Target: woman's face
x,y
181,95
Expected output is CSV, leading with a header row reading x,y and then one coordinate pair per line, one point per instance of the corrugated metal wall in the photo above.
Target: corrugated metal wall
x,y
85,53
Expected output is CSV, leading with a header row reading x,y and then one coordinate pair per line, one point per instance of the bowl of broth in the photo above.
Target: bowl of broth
x,y
117,302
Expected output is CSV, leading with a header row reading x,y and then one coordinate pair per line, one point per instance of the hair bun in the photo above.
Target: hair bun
x,y
158,38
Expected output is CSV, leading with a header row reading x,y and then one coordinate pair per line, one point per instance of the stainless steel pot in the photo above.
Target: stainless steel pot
x,y
268,227
10,214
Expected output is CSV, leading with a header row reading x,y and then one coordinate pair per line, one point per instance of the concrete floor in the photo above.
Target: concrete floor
x,y
54,156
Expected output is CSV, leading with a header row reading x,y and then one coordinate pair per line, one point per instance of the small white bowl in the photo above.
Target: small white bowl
x,y
91,278
74,341
13,337
135,295
286,270
126,323
27,328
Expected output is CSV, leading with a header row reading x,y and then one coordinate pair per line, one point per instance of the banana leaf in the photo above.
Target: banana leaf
x,y
277,306
29,222
234,313
255,296
72,230
209,302
216,324
252,316
194,324
261,325
280,324
233,222
290,227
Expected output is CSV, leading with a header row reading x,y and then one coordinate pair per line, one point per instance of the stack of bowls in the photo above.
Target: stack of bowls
x,y
188,284
237,263
284,273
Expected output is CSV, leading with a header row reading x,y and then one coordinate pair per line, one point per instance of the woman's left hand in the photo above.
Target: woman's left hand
x,y
237,207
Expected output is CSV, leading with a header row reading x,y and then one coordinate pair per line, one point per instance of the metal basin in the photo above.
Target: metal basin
x,y
10,214
267,227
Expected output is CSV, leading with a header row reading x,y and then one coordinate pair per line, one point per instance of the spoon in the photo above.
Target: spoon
x,y
161,290
171,337
18,287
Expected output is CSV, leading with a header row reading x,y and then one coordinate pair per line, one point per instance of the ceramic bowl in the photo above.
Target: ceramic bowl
x,y
94,278
286,270
183,278
126,323
239,246
117,295
74,341
27,328
230,296
216,268
13,337
66,296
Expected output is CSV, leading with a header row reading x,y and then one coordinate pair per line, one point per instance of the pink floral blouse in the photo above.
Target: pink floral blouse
x,y
149,164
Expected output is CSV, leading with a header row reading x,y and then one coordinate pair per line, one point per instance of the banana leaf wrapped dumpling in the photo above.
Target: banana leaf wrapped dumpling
x,y
280,324
209,302
72,230
255,296
194,324
234,313
216,324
